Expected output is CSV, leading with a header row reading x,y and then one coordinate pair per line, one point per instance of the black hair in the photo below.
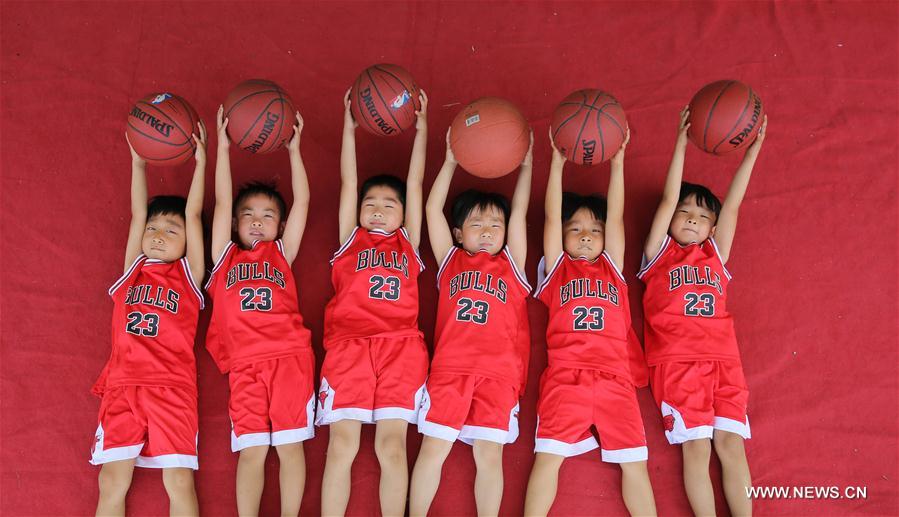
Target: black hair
x,y
166,205
704,197
254,188
471,199
572,202
384,180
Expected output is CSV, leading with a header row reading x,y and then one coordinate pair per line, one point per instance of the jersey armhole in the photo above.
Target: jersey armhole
x,y
449,255
647,265
218,263
518,274
127,274
194,286
544,279
405,234
614,266
346,245
718,255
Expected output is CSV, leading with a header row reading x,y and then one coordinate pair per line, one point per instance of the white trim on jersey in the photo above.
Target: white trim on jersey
x,y
342,249
118,283
405,234
733,426
185,265
561,448
718,254
219,262
647,265
542,278
614,266
518,274
443,264
167,461
625,455
280,245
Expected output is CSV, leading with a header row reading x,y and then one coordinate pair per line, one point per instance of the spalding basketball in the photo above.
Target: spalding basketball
x,y
489,137
384,100
159,129
725,116
588,126
260,116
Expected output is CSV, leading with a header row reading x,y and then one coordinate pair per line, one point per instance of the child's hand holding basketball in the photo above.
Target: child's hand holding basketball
x,y
200,139
450,157
348,121
683,126
221,126
756,146
421,115
293,146
618,157
135,158
558,157
529,156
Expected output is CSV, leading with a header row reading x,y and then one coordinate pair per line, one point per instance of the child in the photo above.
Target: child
x,y
148,413
588,381
256,334
376,361
481,357
691,349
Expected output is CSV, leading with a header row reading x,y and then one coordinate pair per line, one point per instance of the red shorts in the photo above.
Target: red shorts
x,y
572,401
371,379
468,408
272,402
155,426
700,396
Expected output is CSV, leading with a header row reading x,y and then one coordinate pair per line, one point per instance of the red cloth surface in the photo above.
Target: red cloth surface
x,y
814,262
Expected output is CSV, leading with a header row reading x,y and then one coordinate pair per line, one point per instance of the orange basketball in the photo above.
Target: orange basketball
x,y
384,100
725,116
588,126
159,129
489,137
260,116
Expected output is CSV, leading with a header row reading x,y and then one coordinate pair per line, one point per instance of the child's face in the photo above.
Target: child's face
x,y
381,209
483,230
258,219
164,238
583,236
691,222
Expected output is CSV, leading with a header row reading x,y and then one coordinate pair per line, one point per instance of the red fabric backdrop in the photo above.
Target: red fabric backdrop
x,y
814,293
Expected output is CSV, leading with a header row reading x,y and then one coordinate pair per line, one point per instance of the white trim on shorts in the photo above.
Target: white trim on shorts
x,y
168,461
560,448
681,433
733,426
625,455
470,433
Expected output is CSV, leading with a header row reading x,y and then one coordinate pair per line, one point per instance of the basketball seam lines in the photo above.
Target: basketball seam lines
x,y
708,119
737,123
583,125
187,109
160,141
376,67
265,109
359,104
386,106
175,124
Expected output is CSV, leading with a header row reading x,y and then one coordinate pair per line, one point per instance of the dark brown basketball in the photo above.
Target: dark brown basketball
x,y
589,126
260,116
159,129
725,116
489,137
384,100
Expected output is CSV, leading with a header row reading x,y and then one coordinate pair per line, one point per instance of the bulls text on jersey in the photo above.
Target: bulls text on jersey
x,y
472,280
254,271
588,288
690,275
146,295
372,258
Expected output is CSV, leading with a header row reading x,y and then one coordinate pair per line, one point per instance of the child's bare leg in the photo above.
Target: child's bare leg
x,y
114,481
390,447
543,484
636,489
179,485
696,476
292,477
250,479
488,482
426,474
343,444
734,471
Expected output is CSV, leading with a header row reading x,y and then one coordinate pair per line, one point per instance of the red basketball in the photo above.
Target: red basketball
x,y
260,116
384,100
489,137
589,126
725,116
159,129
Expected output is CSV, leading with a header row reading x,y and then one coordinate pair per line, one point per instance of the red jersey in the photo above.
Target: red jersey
x,y
482,322
154,322
685,305
589,324
255,313
375,278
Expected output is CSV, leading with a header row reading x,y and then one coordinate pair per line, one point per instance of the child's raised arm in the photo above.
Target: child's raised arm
x,y
138,206
614,238
726,226
193,220
552,221
296,219
438,229
518,227
221,217
416,175
668,205
347,217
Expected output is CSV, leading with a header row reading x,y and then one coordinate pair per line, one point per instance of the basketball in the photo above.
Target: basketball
x,y
588,126
159,129
260,116
489,137
725,116
384,99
